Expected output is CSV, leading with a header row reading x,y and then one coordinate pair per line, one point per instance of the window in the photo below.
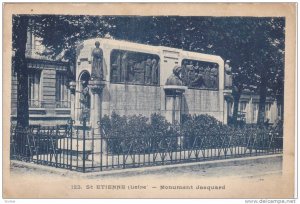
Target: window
x,y
255,112
243,106
34,89
62,92
268,111
199,74
229,108
134,68
242,110
279,110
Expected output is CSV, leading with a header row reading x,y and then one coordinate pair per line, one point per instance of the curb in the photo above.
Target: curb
x,y
151,170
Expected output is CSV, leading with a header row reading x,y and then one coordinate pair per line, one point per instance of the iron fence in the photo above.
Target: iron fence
x,y
85,149
35,103
63,104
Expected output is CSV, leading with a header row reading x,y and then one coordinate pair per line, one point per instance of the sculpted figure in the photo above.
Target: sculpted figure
x,y
131,70
214,76
85,101
190,73
174,79
142,71
197,81
206,77
228,74
154,72
97,69
148,71
124,64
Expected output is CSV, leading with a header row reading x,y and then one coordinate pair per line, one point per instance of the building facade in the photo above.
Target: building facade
x,y
249,105
48,93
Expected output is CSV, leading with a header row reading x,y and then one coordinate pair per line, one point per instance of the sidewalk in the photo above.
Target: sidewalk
x,y
251,167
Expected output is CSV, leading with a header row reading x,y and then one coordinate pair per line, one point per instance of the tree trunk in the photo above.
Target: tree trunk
x,y
22,72
262,99
236,99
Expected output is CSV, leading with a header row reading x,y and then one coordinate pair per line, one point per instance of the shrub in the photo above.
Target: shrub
x,y
164,134
203,130
138,134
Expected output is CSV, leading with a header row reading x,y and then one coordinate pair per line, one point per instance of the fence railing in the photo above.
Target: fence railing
x,y
83,149
35,103
63,104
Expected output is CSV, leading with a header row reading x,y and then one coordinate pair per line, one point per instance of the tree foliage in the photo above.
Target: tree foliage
x,y
254,46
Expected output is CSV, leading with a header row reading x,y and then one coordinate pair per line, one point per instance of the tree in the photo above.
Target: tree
x,y
70,31
269,43
19,39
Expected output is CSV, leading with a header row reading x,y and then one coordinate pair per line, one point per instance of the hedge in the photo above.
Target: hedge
x,y
139,134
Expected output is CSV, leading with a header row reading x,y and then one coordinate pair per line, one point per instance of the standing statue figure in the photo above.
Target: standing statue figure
x,y
154,72
124,65
148,67
214,76
190,73
228,74
85,101
97,69
206,77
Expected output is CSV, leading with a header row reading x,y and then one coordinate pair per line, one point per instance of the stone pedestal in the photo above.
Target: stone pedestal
x,y
228,102
174,102
96,88
174,105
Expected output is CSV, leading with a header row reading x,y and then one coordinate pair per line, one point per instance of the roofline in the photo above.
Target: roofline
x,y
158,48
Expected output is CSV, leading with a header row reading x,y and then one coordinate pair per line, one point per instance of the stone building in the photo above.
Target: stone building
x,y
249,105
48,93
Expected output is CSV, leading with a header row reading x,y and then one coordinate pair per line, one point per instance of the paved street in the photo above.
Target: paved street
x,y
252,170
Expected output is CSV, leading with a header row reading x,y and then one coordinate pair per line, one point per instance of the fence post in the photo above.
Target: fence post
x,y
71,147
57,137
83,137
101,152
100,139
103,146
